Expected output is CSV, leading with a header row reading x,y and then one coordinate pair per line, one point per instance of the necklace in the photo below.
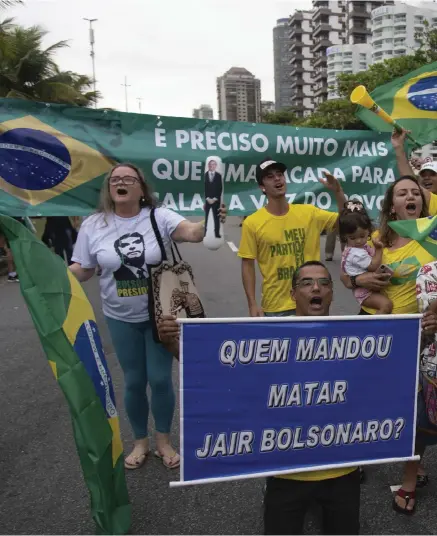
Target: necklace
x,y
127,235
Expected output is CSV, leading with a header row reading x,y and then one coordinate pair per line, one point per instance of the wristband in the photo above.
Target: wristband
x,y
353,279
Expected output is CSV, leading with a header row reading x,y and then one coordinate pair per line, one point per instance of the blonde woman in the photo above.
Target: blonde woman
x,y
119,238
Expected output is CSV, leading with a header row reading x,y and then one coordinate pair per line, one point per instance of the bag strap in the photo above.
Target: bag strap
x,y
157,234
161,243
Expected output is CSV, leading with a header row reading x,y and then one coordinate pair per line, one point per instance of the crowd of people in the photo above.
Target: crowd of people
x,y
380,268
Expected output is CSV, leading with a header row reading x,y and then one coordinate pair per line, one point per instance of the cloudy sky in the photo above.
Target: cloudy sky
x,y
170,50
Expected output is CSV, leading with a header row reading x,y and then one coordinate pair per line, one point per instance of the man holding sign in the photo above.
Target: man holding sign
x,y
337,491
281,237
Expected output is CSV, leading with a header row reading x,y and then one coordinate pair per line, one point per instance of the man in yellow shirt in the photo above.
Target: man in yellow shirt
x,y
281,237
337,491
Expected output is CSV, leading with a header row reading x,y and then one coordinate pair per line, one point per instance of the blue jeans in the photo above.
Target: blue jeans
x,y
290,312
144,362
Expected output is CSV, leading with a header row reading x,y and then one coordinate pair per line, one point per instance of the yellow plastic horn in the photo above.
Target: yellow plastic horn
x,y
360,96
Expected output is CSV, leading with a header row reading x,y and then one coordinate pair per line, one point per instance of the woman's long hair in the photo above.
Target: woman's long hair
x,y
106,204
386,233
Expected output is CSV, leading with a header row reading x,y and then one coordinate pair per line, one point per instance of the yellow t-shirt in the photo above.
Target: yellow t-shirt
x,y
280,244
406,262
319,475
432,207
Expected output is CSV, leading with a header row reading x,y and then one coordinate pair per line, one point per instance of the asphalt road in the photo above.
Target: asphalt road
x,y
41,486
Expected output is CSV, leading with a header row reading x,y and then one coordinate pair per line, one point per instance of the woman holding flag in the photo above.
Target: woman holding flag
x,y
404,200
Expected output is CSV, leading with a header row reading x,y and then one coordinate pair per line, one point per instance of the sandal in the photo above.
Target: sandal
x,y
139,460
171,462
407,496
422,481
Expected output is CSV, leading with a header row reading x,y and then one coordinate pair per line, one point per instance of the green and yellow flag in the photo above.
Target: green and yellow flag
x,y
66,325
424,230
411,100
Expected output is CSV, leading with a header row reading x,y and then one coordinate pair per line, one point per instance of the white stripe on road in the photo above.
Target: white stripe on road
x,y
233,247
395,488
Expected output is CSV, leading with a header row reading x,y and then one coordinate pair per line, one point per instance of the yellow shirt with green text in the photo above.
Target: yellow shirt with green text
x,y
280,244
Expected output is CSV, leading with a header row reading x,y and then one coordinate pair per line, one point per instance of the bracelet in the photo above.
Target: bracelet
x,y
353,279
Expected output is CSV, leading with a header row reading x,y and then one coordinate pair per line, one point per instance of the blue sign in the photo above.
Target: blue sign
x,y
276,396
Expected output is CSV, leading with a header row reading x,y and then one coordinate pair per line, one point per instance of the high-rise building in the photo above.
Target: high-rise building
x,y
358,23
394,29
301,42
267,107
329,28
239,96
205,111
346,59
330,23
282,67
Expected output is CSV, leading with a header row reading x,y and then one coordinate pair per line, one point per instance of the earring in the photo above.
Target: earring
x,y
142,200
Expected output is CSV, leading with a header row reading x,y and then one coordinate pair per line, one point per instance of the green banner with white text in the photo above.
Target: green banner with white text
x,y
53,159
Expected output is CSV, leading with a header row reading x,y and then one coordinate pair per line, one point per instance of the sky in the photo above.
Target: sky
x,y
171,51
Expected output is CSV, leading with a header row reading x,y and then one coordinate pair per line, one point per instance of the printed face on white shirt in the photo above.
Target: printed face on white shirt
x,y
130,248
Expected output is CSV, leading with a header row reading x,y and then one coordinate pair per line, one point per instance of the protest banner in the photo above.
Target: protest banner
x,y
53,159
268,396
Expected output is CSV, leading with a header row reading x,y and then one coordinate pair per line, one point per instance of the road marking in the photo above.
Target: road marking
x,y
233,247
395,488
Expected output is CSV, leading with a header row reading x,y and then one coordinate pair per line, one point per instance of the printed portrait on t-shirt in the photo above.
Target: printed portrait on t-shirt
x,y
131,277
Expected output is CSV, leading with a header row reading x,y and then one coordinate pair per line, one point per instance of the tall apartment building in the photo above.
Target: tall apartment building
x,y
330,23
239,96
394,29
346,59
301,42
329,28
282,67
205,111
358,19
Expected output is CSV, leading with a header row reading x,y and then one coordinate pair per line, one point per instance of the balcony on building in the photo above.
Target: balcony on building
x,y
296,57
297,16
297,82
295,30
296,69
320,9
321,75
322,42
321,91
358,10
320,61
321,28
296,43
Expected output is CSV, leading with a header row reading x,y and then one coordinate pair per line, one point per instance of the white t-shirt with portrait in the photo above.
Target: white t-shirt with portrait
x,y
123,247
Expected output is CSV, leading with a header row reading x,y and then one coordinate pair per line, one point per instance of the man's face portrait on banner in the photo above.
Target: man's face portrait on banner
x,y
212,166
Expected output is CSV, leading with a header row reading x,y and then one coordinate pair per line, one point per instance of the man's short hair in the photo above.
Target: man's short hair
x,y
305,265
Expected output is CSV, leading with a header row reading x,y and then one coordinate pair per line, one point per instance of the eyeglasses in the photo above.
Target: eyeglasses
x,y
310,282
127,181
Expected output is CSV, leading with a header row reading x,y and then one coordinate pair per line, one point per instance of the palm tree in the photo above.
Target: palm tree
x,y
28,71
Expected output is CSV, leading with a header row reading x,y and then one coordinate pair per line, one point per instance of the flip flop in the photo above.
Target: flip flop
x,y
140,460
171,464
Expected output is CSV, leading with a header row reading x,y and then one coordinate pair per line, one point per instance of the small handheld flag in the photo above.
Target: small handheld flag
x,y
66,325
423,230
360,96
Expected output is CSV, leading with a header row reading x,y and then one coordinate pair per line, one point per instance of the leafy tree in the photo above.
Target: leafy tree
x,y
287,116
28,71
335,114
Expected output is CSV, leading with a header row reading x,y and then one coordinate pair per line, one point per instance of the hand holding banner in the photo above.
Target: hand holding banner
x,y
214,172
268,396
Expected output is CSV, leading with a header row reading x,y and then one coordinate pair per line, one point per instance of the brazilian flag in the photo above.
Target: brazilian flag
x,y
423,230
411,100
65,322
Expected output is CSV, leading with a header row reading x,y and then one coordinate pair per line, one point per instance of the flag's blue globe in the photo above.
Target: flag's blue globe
x,y
32,159
423,94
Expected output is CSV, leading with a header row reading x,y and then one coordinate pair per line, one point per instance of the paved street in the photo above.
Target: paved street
x,y
41,486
